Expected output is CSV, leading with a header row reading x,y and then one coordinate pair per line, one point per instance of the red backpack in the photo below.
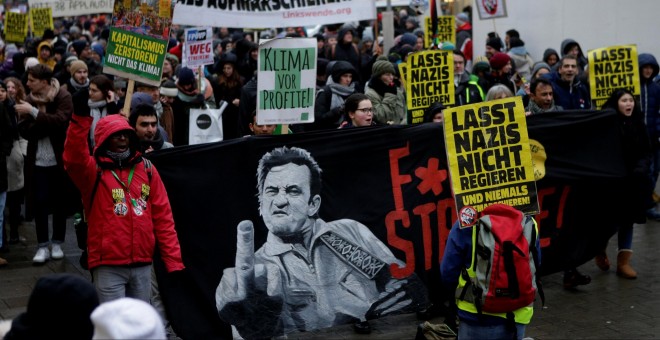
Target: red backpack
x,y
502,277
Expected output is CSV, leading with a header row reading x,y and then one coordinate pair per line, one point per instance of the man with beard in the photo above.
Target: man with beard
x,y
144,120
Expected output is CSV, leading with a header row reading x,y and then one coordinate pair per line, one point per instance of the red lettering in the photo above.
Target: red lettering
x,y
444,206
423,211
395,241
398,180
543,214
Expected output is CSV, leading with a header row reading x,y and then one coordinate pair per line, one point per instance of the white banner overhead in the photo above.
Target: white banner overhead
x,y
271,13
70,8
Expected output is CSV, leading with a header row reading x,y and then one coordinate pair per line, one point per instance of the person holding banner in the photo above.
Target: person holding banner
x,y
637,198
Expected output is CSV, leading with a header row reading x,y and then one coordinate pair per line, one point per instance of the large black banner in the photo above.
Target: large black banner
x,y
384,194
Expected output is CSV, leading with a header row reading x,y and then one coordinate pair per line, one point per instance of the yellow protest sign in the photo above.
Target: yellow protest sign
x,y
16,27
612,68
446,30
429,79
489,157
42,19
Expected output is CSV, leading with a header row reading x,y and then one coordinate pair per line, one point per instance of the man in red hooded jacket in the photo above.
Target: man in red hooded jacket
x,y
127,213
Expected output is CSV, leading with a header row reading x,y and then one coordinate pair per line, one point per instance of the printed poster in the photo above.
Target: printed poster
x,y
71,8
251,14
16,27
206,125
138,41
491,9
489,157
446,30
429,78
198,47
287,81
42,19
612,68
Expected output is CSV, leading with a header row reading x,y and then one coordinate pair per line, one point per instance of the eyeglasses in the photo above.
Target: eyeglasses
x,y
366,110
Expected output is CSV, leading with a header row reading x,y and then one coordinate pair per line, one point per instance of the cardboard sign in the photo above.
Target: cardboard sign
x,y
138,41
42,19
612,68
287,81
489,157
16,27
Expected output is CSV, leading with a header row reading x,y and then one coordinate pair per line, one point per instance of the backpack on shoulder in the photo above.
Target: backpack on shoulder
x,y
504,262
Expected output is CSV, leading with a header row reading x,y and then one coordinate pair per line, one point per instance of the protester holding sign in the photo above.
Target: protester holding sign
x,y
189,97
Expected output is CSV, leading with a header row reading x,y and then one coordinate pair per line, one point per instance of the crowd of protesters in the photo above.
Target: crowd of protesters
x,y
358,84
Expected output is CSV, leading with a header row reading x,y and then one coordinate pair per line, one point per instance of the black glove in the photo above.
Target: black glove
x,y
80,105
381,88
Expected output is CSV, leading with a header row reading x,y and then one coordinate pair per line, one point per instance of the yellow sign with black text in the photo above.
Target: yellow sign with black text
x,y
489,157
446,30
429,79
612,68
16,27
42,19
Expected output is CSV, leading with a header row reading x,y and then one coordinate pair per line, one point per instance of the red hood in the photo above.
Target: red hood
x,y
109,125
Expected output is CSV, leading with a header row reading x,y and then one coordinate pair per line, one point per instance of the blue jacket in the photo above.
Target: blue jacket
x,y
574,96
650,99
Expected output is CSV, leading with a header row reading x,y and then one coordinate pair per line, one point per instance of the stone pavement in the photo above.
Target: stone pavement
x,y
608,308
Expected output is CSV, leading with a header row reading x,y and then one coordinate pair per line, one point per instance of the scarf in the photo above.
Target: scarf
x,y
98,111
77,86
339,94
534,108
41,99
118,156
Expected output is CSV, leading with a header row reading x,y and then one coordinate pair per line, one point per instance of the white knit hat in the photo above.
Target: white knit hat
x,y
31,61
127,318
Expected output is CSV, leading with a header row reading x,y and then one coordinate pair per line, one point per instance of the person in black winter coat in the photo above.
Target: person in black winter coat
x,y
329,100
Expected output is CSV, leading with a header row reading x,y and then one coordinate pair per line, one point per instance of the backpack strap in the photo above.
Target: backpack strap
x,y
99,172
148,167
535,256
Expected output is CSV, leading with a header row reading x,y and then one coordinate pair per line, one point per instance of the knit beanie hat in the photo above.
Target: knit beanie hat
x,y
538,66
408,39
79,46
481,64
499,60
127,318
382,66
98,49
75,298
495,43
168,89
461,19
77,65
141,98
186,77
31,61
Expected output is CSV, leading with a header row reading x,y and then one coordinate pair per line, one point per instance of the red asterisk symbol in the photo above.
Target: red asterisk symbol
x,y
431,177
